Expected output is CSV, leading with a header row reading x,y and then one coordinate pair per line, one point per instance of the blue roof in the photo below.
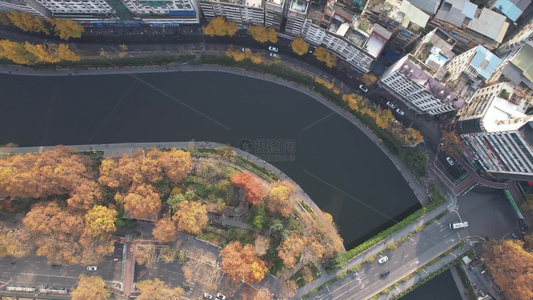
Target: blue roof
x,y
484,62
509,9
469,10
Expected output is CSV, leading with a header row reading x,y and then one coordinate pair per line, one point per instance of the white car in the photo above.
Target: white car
x,y
245,49
400,112
450,161
220,296
274,55
391,105
272,48
92,268
363,88
383,259
208,296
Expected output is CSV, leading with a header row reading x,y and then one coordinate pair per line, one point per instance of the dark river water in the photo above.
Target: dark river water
x,y
336,164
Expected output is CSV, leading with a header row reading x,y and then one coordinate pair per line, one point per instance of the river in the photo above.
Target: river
x,y
335,163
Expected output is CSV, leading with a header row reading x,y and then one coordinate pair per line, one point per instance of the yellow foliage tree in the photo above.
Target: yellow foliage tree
x,y
64,53
157,290
383,118
256,58
219,26
323,55
235,54
299,46
90,287
369,79
278,198
4,19
27,22
100,222
43,53
67,28
191,217
165,229
263,34
16,52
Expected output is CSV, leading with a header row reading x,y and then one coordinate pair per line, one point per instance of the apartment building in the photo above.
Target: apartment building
x,y
242,12
31,7
83,10
517,67
297,11
166,13
274,13
435,50
412,82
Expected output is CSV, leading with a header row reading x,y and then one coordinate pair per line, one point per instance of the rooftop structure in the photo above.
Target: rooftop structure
x,y
411,81
456,12
413,14
489,24
296,16
513,9
517,66
377,41
242,12
165,12
274,13
428,6
435,49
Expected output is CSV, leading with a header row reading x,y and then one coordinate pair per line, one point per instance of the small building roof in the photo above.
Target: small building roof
x,y
490,24
484,62
469,10
375,44
414,14
524,61
451,12
382,31
513,9
429,6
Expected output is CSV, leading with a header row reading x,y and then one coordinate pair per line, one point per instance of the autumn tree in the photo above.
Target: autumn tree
x,y
65,53
452,144
86,195
253,294
291,248
263,34
100,222
145,254
16,52
219,26
235,54
44,53
165,229
90,287
253,187
384,118
27,22
66,28
323,55
142,202
278,198
176,164
242,263
191,217
511,266
256,58
4,19
299,46
157,290
369,79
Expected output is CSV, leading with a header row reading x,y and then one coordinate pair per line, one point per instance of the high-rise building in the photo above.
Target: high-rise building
x,y
517,67
296,16
242,12
274,13
165,12
31,7
410,81
80,10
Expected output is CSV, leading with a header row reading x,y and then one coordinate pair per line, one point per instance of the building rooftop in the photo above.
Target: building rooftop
x,y
252,3
490,24
429,6
456,11
513,9
484,62
299,5
413,14
524,61
344,13
278,2
375,45
356,37
526,132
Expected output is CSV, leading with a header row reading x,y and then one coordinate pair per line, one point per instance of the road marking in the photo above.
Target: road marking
x,y
396,262
450,240
46,275
415,262
406,256
442,230
410,238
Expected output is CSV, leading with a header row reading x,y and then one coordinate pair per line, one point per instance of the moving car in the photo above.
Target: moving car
x,y
391,105
400,112
220,296
245,49
384,274
383,259
363,88
92,268
273,49
450,161
458,225
274,55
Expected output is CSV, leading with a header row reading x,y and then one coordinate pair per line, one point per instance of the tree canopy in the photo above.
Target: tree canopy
x,y
299,46
90,287
242,263
263,34
278,198
66,28
191,217
219,26
157,290
165,229
27,22
253,187
323,55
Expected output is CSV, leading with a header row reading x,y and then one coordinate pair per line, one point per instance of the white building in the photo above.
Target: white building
x,y
31,7
274,13
242,12
407,79
70,8
165,12
296,16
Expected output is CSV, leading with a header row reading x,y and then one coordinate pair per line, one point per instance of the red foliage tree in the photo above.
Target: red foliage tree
x,y
253,188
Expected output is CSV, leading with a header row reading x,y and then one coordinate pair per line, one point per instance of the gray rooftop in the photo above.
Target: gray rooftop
x,y
429,6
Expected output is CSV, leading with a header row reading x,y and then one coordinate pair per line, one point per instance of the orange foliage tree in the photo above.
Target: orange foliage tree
x,y
90,287
165,229
252,294
157,290
511,266
142,202
253,187
219,26
291,248
263,34
191,217
85,195
278,198
242,263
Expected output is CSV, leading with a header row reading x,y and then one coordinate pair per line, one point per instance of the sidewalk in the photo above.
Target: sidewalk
x,y
372,251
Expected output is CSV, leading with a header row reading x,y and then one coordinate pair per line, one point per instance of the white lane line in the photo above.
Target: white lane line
x,y
342,294
396,262
46,275
414,262
410,238
442,229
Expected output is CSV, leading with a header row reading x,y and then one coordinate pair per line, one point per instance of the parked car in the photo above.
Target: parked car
x,y
57,266
384,274
400,112
208,296
383,259
273,49
363,88
220,296
391,105
274,55
92,268
514,236
450,161
245,49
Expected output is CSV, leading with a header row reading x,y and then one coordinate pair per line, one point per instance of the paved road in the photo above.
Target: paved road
x,y
409,256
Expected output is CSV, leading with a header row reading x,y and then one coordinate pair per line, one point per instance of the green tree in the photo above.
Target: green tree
x,y
417,161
